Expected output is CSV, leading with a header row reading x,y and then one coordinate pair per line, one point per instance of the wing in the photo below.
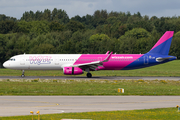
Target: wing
x,y
93,65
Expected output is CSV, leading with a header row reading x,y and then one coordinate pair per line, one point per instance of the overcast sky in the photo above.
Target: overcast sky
x,y
159,8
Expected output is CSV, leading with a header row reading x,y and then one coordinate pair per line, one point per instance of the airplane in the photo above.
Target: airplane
x,y
76,64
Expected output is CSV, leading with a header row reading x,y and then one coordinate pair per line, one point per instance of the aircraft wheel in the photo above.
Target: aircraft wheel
x,y
22,76
89,75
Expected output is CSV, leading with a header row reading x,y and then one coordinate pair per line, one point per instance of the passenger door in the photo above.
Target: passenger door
x,y
22,61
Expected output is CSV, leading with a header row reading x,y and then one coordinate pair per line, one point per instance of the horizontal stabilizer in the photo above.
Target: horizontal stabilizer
x,y
160,59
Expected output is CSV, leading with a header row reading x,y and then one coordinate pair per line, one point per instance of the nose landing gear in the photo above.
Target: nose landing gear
x,y
23,74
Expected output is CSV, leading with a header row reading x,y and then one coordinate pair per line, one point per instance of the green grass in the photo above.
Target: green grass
x,y
89,87
167,69
150,114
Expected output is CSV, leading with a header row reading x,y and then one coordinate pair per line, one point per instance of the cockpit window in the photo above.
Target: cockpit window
x,y
12,59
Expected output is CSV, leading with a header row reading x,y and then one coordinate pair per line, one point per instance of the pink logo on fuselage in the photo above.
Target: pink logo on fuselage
x,y
40,59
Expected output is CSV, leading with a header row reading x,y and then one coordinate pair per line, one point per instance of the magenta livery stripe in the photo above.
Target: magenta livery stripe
x,y
120,61
116,62
165,37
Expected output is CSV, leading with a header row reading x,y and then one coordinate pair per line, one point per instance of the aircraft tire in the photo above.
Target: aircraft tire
x,y
22,76
89,75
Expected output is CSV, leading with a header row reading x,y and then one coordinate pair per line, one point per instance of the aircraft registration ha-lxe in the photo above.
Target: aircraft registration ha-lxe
x,y
76,64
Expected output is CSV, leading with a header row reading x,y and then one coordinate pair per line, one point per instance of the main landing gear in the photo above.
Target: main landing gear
x,y
89,75
23,74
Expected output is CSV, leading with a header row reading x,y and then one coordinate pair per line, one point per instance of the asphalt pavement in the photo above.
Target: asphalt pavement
x,y
22,105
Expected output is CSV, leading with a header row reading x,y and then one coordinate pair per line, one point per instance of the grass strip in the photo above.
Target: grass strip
x,y
148,114
89,87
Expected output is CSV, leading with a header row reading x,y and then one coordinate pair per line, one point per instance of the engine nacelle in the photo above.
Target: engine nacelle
x,y
72,71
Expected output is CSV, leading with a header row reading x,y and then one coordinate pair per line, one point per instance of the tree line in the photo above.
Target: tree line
x,y
53,32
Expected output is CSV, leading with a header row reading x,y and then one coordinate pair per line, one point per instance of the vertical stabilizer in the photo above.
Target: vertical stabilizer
x,y
163,45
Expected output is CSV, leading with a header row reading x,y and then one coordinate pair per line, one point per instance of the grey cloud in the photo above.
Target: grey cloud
x,y
16,8
147,7
90,5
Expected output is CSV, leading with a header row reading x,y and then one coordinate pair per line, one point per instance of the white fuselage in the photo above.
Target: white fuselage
x,y
41,61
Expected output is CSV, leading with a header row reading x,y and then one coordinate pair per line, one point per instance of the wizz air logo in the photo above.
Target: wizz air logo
x,y
40,60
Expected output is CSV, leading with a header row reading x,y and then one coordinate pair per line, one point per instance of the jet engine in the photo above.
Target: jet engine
x,y
72,71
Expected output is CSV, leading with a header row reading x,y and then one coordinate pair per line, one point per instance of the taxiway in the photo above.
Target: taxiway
x,y
22,105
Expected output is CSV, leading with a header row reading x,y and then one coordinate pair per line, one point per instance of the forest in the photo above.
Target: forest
x,y
53,32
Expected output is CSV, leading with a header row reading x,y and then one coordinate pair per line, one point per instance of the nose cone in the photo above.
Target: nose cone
x,y
5,64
